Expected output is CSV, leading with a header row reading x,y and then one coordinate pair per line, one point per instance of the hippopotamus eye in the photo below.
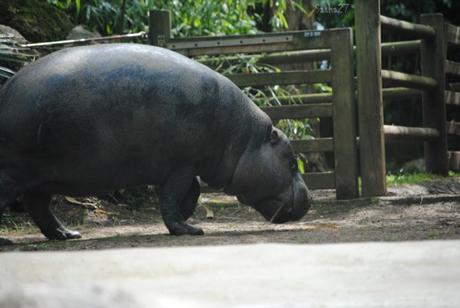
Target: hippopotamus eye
x,y
274,136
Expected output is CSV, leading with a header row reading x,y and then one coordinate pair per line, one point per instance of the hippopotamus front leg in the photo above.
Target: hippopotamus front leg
x,y
37,205
179,188
188,204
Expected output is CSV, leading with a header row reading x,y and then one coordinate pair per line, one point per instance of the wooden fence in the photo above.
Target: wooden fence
x,y
452,94
430,39
335,45
375,84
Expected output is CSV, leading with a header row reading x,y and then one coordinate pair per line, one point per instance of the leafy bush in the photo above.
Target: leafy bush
x,y
189,18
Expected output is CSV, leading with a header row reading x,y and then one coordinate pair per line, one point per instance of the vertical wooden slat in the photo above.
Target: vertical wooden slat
x,y
433,57
370,102
344,115
159,27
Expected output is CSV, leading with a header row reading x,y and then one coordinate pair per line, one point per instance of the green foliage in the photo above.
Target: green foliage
x,y
189,18
410,10
206,17
411,178
340,13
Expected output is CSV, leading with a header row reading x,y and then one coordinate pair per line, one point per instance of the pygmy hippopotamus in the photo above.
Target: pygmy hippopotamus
x,y
93,119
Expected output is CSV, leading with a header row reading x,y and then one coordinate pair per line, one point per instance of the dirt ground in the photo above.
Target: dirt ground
x,y
424,211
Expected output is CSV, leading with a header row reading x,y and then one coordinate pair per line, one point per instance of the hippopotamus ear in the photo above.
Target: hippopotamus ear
x,y
274,136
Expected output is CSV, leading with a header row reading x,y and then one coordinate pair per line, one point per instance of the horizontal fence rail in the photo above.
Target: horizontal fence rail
x,y
268,42
408,80
277,58
297,56
452,68
415,134
313,145
402,47
302,56
453,34
454,86
323,110
314,180
282,78
320,180
400,92
300,98
417,30
453,128
452,98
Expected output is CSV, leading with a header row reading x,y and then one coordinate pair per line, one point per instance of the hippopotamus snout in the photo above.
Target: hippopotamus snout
x,y
290,205
302,199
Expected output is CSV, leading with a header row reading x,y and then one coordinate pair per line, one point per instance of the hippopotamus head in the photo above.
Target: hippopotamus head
x,y
267,178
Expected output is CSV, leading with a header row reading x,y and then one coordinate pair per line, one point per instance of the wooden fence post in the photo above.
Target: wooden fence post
x,y
159,27
344,115
433,58
370,101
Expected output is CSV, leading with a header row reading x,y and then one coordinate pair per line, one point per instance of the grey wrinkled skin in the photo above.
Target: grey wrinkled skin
x,y
92,119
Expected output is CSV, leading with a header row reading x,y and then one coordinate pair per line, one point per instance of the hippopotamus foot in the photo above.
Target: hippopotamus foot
x,y
37,205
181,228
179,194
62,234
188,204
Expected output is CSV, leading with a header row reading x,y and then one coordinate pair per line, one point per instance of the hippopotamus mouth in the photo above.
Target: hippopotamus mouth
x,y
291,205
276,211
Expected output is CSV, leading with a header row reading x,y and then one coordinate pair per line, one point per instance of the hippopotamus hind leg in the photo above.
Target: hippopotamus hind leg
x,y
188,204
37,205
8,193
174,192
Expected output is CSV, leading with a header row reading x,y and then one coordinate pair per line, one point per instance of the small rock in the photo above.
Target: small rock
x,y
81,32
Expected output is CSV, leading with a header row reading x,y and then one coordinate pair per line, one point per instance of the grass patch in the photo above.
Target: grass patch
x,y
10,225
412,178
